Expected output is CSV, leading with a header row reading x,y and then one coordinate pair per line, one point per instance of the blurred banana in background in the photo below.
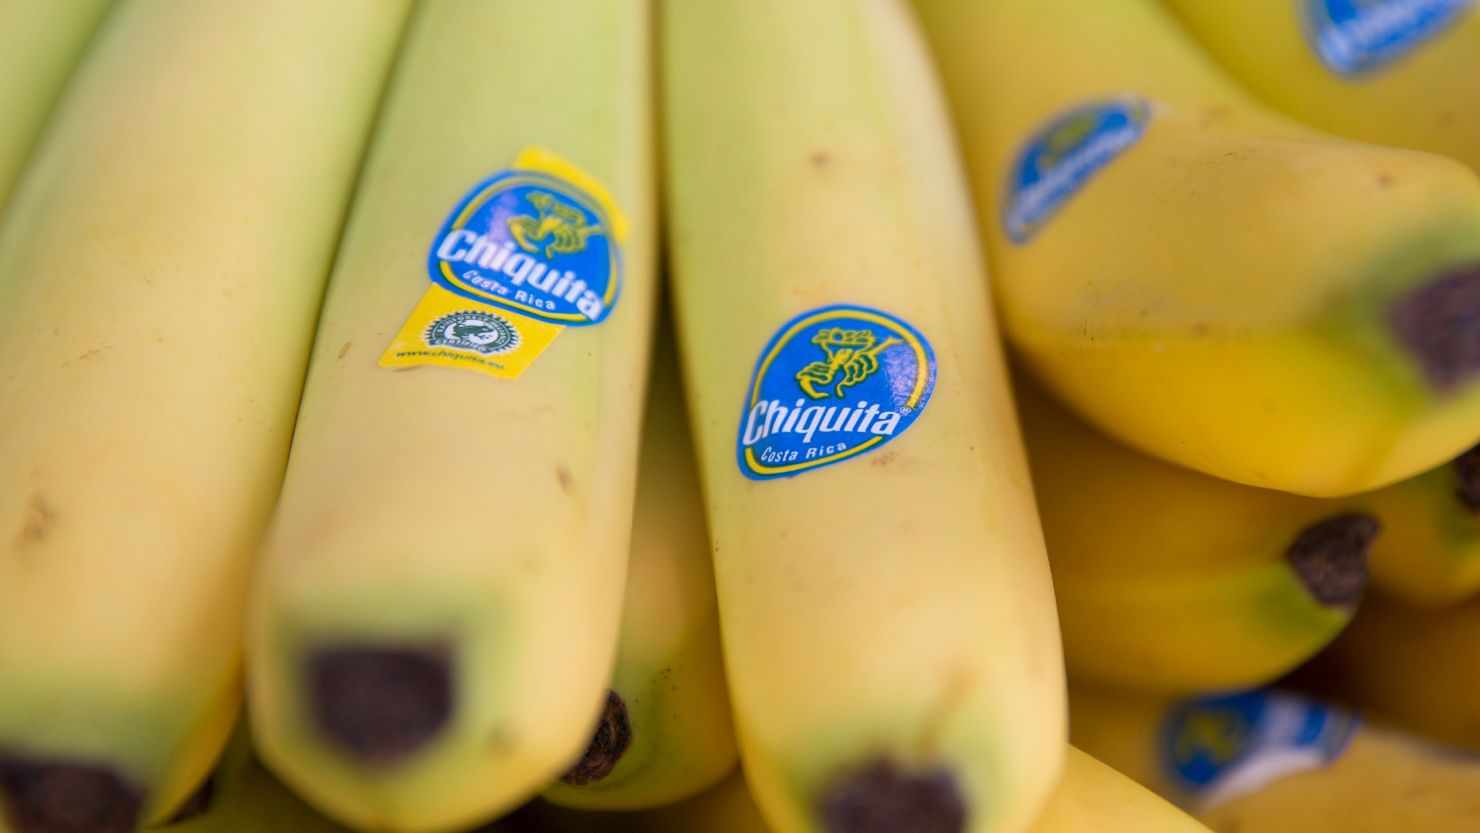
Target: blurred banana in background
x,y
1394,72
40,43
160,273
1204,279
1170,581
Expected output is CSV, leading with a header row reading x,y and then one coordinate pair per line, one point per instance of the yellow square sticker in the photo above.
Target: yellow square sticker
x,y
448,330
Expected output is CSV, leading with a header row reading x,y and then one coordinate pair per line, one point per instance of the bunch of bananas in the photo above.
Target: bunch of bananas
x,y
350,477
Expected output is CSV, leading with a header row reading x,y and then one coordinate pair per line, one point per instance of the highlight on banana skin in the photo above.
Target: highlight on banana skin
x,y
739,416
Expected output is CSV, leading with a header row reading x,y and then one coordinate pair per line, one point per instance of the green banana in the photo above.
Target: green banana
x,y
160,273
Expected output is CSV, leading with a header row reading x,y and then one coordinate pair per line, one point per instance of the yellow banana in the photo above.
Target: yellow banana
x,y
1172,581
1278,763
1417,669
433,626
159,277
666,732
1394,72
1429,552
888,620
1204,279
40,42
1090,798
1093,798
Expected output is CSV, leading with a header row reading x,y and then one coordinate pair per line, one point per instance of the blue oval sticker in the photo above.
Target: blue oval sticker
x,y
1063,155
532,243
1218,748
833,383
1357,36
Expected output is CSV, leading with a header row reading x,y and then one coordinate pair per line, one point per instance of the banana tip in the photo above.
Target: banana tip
x,y
883,797
1330,557
609,743
66,797
1467,479
198,804
381,704
1439,323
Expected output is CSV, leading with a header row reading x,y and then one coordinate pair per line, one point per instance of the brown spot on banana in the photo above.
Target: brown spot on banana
x,y
1439,323
381,704
609,743
1467,478
41,796
40,520
1330,558
882,797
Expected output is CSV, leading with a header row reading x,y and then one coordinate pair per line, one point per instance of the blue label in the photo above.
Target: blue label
x,y
1356,36
1218,748
833,383
532,243
1062,157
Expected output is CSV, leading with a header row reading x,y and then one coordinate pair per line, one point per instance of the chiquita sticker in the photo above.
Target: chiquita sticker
x,y
1352,37
1218,748
1062,157
523,255
833,383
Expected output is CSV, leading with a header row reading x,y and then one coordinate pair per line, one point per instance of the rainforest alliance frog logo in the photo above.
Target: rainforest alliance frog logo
x,y
1358,36
532,243
1062,156
475,330
833,383
1218,748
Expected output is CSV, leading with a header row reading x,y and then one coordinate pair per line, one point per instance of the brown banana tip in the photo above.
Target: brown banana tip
x,y
1467,478
882,798
66,797
381,704
608,744
1330,557
1439,323
198,804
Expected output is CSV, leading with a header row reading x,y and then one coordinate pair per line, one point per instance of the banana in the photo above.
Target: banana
x,y
243,797
434,620
725,808
39,45
1393,72
1171,581
888,618
1093,798
1090,798
666,732
1429,553
1417,669
1277,763
159,277
1206,280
